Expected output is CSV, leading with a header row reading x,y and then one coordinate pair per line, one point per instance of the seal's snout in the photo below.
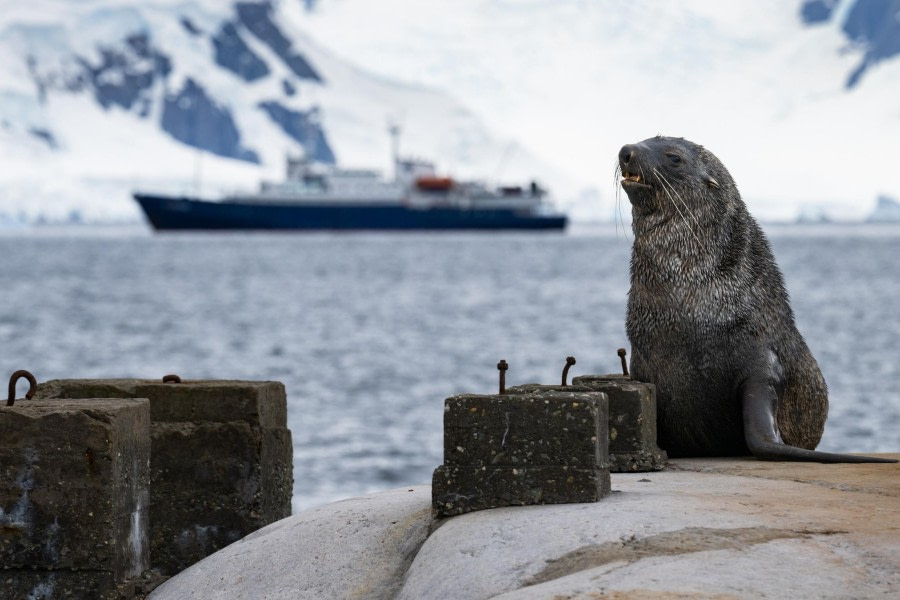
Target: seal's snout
x,y
632,172
626,154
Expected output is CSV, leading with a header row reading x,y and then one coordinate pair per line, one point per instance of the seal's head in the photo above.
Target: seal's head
x,y
666,174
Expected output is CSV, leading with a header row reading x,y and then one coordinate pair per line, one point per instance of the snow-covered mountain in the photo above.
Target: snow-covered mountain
x,y
799,98
98,97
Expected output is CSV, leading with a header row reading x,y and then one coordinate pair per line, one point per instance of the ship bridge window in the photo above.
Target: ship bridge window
x,y
315,182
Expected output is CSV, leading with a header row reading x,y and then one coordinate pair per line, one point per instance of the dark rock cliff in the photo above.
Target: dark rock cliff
x,y
194,118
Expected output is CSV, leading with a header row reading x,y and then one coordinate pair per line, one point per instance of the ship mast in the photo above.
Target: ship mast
x,y
394,130
311,130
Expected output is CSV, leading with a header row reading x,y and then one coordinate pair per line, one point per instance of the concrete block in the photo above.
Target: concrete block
x,y
460,490
518,449
261,403
74,505
632,422
221,460
21,584
240,480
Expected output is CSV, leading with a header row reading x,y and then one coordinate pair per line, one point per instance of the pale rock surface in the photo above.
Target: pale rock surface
x,y
717,528
357,548
703,528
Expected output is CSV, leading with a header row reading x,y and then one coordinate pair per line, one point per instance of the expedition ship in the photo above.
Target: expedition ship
x,y
316,197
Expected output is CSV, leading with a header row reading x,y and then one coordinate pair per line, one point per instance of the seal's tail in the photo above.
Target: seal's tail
x,y
773,451
761,431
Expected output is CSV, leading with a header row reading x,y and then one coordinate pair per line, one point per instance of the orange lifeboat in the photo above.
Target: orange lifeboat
x,y
434,184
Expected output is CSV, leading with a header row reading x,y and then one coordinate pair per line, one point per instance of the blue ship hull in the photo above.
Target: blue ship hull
x,y
180,213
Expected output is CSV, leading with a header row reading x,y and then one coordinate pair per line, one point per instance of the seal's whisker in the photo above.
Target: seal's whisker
x,y
618,213
619,202
672,193
678,196
617,174
621,218
675,204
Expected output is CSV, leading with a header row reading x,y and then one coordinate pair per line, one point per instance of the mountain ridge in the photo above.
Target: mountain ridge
x,y
233,81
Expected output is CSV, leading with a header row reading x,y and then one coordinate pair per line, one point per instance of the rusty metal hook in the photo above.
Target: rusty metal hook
x,y
622,354
171,378
570,360
502,367
12,386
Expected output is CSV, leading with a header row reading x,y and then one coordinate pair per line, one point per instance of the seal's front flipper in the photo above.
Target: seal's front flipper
x,y
761,430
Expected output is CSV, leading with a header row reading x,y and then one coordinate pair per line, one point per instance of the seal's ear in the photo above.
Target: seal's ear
x,y
712,182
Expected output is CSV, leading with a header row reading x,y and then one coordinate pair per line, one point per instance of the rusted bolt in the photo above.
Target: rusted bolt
x,y
622,354
171,378
12,386
502,367
570,360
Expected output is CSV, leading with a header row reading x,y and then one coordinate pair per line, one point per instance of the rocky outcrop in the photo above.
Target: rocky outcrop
x,y
873,27
302,125
192,116
233,53
126,73
357,548
701,528
814,12
257,17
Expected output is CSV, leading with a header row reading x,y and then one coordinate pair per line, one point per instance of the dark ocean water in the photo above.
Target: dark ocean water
x,y
370,332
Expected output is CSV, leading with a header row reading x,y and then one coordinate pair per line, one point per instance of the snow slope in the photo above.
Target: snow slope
x,y
98,98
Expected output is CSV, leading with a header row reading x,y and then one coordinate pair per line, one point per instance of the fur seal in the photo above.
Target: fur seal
x,y
708,315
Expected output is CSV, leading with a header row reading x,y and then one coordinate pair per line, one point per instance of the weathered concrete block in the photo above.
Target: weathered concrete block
x,y
221,460
261,403
19,584
478,488
74,479
518,449
632,422
236,481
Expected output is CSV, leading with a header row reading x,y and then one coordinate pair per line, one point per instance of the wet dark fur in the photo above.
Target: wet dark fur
x,y
708,307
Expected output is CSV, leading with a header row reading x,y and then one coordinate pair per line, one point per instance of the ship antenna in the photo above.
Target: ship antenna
x,y
394,130
311,129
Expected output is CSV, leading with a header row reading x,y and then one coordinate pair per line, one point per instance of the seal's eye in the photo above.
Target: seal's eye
x,y
674,158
